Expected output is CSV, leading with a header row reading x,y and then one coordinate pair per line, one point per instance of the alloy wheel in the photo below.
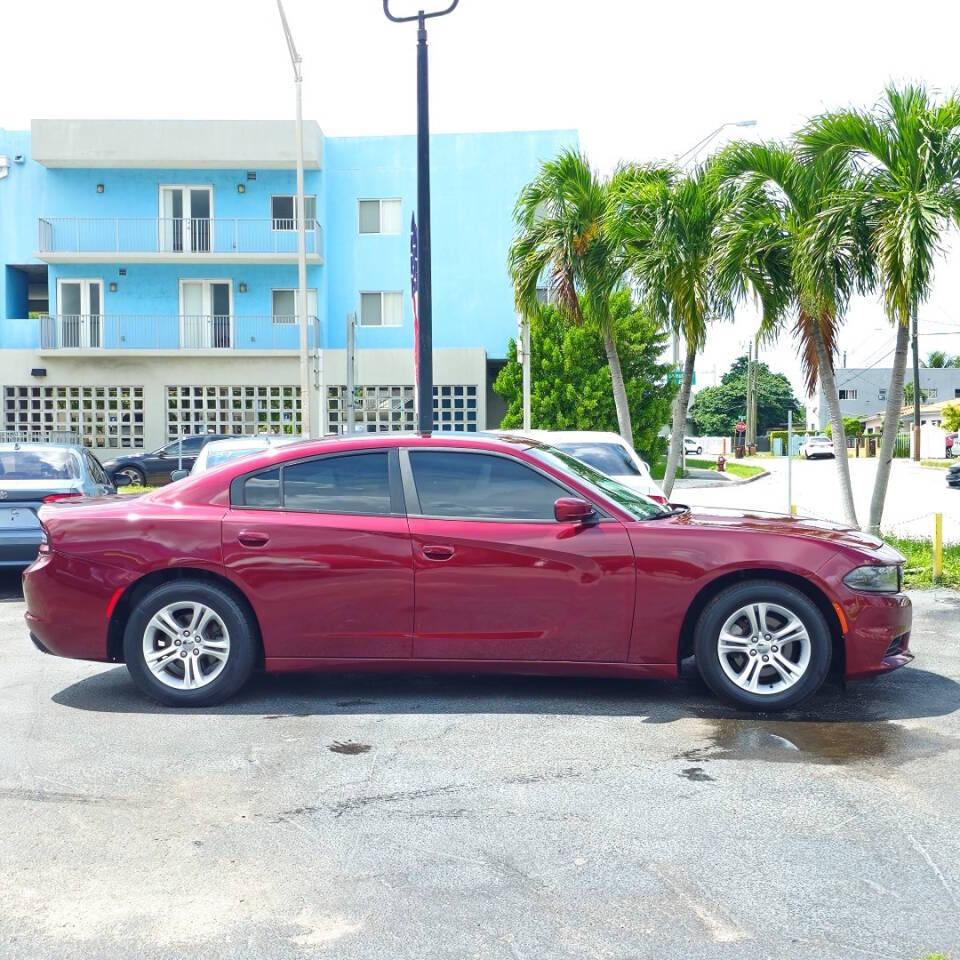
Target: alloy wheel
x,y
186,645
764,648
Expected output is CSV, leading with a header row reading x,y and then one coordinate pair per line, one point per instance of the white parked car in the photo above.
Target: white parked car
x,y
603,451
219,452
691,446
818,446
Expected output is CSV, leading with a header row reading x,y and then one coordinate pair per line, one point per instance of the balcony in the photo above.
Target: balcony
x,y
173,240
116,333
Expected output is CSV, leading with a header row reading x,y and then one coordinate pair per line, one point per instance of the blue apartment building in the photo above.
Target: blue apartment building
x,y
148,272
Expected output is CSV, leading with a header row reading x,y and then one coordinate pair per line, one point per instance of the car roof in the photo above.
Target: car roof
x,y
74,447
565,436
252,440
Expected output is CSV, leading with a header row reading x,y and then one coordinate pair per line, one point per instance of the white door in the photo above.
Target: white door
x,y
205,314
186,224
80,313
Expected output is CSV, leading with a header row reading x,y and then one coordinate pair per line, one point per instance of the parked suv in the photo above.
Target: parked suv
x,y
155,468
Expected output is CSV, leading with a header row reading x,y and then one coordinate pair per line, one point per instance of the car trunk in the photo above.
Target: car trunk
x,y
19,502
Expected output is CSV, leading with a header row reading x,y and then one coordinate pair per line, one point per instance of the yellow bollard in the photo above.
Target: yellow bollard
x,y
793,509
937,547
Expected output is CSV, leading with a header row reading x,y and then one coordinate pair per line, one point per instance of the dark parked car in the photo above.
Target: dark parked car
x,y
444,552
953,475
32,474
155,468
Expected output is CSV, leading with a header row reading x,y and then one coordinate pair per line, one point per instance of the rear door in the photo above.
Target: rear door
x,y
322,548
497,577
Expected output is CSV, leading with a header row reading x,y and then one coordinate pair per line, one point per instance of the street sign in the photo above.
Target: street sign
x,y
675,376
741,427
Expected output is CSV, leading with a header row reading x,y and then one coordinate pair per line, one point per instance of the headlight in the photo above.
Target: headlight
x,y
885,579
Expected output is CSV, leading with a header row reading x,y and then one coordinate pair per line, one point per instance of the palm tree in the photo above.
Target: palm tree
x,y
763,245
906,156
666,221
938,359
562,230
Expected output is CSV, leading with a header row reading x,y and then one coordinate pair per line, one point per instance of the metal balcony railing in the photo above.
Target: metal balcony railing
x,y
135,332
179,235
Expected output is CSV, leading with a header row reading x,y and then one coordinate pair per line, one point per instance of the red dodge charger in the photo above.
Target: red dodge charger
x,y
454,552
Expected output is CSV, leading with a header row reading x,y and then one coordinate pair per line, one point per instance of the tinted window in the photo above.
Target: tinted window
x,y
351,484
96,471
609,458
262,490
190,446
483,486
39,464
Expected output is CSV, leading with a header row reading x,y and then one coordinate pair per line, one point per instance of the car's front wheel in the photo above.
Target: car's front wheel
x,y
134,474
189,644
763,645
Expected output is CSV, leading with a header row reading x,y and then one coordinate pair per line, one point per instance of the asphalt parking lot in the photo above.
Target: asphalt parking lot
x,y
477,817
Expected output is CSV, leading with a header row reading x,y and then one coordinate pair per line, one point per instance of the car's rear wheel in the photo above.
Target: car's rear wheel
x,y
134,474
763,645
189,644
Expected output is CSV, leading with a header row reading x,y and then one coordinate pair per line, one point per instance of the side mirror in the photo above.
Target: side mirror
x,y
573,510
121,480
179,475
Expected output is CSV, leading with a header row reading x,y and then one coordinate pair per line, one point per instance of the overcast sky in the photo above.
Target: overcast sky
x,y
639,81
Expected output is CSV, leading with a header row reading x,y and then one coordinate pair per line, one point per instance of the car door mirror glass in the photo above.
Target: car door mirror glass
x,y
179,475
121,480
573,510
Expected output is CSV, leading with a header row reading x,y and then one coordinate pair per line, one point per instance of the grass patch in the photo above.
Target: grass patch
x,y
658,469
918,570
742,470
937,464
134,489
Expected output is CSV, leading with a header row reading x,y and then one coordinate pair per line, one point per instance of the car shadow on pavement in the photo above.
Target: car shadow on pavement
x,y
910,693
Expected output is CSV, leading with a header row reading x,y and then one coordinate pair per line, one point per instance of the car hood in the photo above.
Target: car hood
x,y
837,534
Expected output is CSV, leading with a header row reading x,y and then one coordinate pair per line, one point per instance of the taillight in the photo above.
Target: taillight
x,y
54,497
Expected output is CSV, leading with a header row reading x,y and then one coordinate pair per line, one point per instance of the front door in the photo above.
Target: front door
x,y
205,314
498,578
182,453
321,548
80,313
186,224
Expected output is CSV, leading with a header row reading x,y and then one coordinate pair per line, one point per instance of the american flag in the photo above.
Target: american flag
x,y
413,296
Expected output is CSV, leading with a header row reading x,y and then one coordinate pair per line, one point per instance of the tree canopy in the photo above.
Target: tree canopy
x,y
570,378
716,410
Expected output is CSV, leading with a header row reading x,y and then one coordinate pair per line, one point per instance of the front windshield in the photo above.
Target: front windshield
x,y
217,457
608,458
638,506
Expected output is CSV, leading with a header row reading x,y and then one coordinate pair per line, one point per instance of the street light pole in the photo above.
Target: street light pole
x,y
306,420
424,345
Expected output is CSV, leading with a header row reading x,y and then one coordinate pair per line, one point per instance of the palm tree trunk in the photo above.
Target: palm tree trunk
x,y
619,389
680,405
891,426
829,383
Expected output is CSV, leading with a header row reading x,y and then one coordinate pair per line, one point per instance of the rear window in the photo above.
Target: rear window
x,y
262,490
355,483
39,465
608,458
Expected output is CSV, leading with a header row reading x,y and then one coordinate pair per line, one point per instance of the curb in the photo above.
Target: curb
x,y
696,473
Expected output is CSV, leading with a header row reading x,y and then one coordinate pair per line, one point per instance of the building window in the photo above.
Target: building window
x,y
380,216
283,212
848,394
882,394
381,309
386,407
285,305
931,393
233,410
376,409
103,417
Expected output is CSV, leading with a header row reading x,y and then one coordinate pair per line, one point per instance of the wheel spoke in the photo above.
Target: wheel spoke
x,y
730,643
792,630
163,622
190,673
750,674
159,660
202,615
790,672
215,648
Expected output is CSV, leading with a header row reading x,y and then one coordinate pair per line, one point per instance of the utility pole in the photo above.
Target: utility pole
x,y
350,398
523,357
306,420
916,384
424,345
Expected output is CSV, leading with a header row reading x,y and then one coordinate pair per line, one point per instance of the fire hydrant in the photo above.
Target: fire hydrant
x,y
721,460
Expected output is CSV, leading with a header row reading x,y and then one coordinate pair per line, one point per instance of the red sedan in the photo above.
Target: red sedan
x,y
448,552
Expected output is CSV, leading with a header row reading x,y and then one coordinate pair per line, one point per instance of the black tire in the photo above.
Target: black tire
x,y
699,450
137,477
724,605
240,659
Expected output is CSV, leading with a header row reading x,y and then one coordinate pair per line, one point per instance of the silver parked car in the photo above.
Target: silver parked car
x,y
218,452
32,474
